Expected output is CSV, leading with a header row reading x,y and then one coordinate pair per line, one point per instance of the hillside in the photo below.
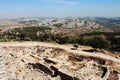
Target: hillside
x,y
72,23
48,61
112,23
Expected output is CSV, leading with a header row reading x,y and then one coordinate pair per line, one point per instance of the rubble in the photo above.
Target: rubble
x,y
53,63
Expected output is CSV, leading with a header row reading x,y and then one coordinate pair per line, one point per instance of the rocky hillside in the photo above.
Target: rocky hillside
x,y
73,26
43,61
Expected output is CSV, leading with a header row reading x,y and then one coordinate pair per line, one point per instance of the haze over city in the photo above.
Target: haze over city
x,y
59,8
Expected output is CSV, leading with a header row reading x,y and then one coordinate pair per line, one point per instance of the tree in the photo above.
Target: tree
x,y
99,43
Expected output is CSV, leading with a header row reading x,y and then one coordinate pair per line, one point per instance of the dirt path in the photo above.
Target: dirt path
x,y
65,47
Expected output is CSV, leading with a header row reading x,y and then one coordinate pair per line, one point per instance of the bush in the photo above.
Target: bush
x,y
75,46
58,25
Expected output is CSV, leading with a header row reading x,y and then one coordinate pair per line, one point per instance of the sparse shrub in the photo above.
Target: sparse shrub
x,y
58,25
75,46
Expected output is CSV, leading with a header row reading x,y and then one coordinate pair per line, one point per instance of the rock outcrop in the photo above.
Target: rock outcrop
x,y
52,63
3,75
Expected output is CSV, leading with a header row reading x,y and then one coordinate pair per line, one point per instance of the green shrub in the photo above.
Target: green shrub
x,y
99,43
75,46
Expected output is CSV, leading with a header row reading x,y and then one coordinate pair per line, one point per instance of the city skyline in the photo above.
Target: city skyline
x,y
59,8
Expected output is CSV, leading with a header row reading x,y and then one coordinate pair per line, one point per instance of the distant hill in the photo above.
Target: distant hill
x,y
112,23
67,25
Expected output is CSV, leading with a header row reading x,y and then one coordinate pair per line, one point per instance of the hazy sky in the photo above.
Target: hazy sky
x,y
58,8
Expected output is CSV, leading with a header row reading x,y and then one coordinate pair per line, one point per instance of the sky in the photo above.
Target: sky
x,y
59,8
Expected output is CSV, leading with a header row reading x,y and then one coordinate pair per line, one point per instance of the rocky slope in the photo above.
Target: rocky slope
x,y
44,61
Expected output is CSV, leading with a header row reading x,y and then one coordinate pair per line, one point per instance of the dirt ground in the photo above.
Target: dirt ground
x,y
51,61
